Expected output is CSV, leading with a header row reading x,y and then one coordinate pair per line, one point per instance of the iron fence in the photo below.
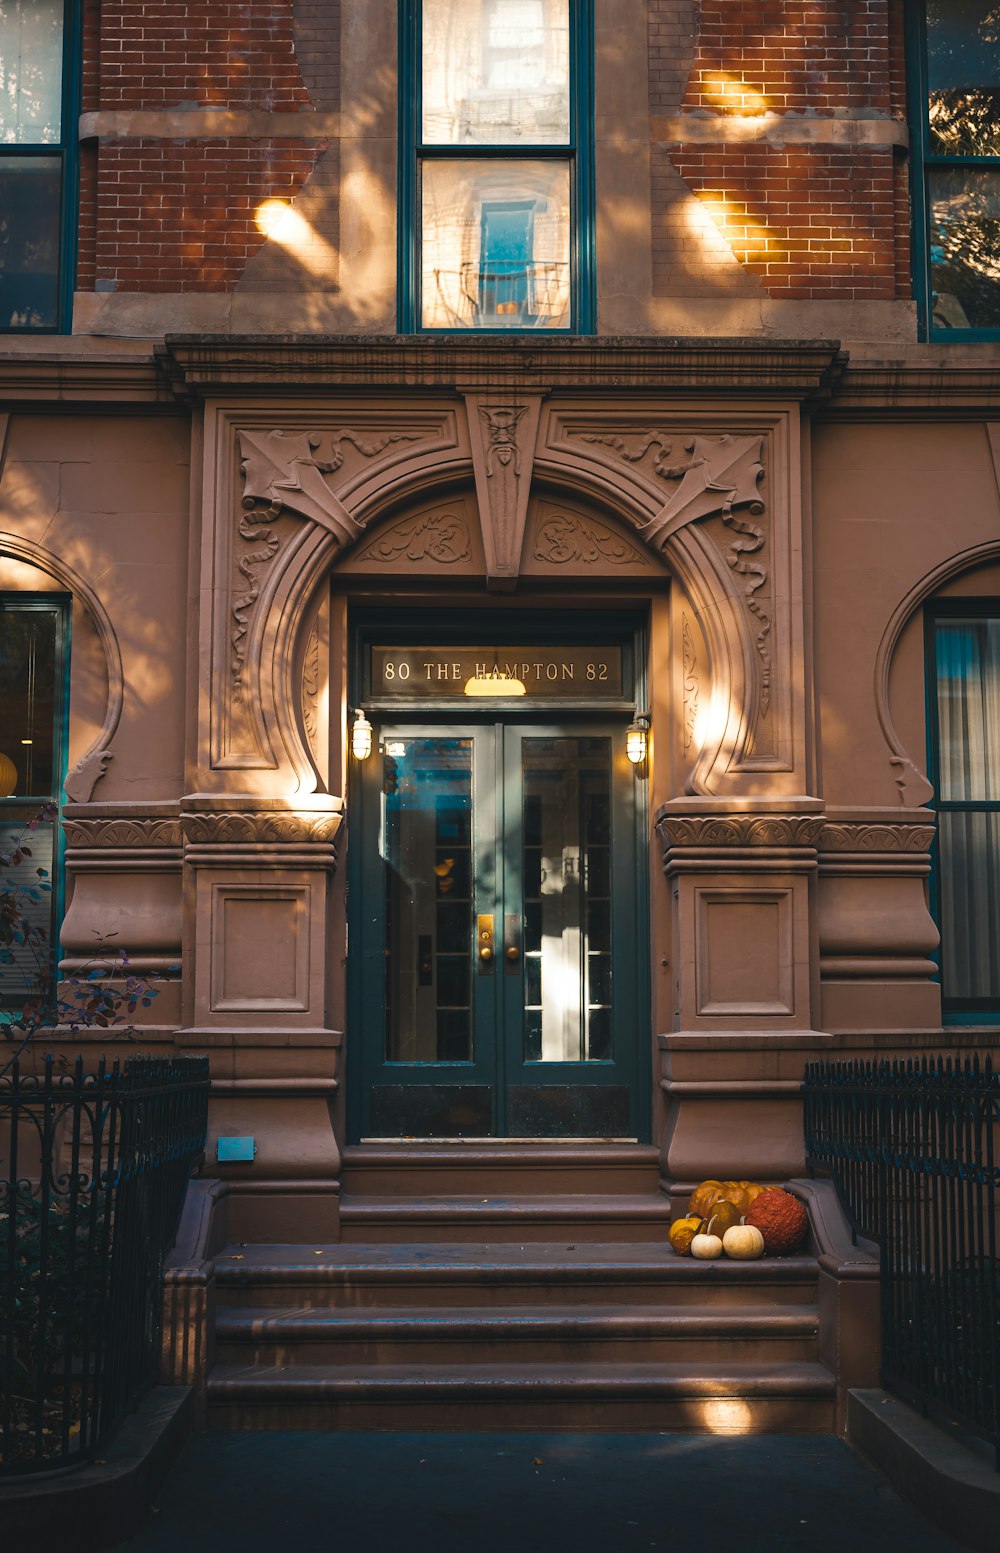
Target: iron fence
x,y
914,1150
93,1170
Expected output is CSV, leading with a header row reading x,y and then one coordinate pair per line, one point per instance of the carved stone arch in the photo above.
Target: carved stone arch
x,y
80,782
908,774
683,549
738,674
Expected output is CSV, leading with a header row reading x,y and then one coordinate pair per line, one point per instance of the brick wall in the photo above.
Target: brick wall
x,y
179,215
213,55
804,212
811,222
165,212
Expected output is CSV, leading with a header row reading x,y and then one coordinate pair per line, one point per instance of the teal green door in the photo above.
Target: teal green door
x,y
495,984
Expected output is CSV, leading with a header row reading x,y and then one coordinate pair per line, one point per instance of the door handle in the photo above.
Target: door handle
x,y
484,944
512,944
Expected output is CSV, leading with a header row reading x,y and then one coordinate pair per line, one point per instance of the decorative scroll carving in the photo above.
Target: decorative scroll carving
x,y
563,539
249,827
718,475
310,686
690,666
503,448
863,836
740,830
436,536
250,567
123,832
286,470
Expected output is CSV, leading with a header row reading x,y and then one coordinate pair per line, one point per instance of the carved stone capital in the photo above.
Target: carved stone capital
x,y
739,830
255,827
122,832
865,836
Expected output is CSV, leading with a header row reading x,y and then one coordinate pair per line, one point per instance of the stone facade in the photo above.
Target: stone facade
x,y
233,452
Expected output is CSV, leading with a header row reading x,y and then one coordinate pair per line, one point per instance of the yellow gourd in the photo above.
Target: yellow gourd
x,y
681,1234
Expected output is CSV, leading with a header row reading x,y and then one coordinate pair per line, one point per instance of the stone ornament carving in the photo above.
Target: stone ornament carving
x,y
122,832
438,536
286,470
565,539
844,836
503,437
251,566
718,475
310,686
253,827
501,430
740,830
690,673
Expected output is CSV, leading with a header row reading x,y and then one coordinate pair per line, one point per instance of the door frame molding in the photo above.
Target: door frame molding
x,y
626,627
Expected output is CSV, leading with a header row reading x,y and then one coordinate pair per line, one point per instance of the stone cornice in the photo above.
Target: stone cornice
x,y
895,389
71,376
204,365
922,382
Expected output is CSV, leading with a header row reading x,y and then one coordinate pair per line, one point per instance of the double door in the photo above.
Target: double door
x,y
495,899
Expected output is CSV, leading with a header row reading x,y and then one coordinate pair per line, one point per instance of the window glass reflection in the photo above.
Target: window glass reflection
x,y
427,852
31,45
963,77
496,72
567,899
495,244
29,242
965,247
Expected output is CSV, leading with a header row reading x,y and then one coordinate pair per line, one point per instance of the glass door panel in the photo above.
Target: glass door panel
x,y
566,802
427,853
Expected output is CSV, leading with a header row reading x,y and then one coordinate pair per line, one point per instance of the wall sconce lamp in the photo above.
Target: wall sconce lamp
x,y
637,738
361,736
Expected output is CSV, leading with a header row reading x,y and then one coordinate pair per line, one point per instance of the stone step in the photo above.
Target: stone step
x,y
717,1398
501,1169
581,1216
538,1274
514,1335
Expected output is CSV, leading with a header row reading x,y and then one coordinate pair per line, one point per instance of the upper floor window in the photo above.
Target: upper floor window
x,y
36,164
965,756
957,145
495,201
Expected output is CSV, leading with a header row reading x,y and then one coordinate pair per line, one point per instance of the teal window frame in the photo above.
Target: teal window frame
x,y
59,605
955,1011
66,149
924,161
578,153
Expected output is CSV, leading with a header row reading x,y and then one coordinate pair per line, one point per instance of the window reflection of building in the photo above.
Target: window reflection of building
x,y
495,244
961,139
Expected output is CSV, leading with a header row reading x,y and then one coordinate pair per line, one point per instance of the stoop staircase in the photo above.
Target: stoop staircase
x,y
525,1289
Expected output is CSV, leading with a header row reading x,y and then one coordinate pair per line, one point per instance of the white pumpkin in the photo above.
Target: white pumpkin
x,y
743,1242
706,1247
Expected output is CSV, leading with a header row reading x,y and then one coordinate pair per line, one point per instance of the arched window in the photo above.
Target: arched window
x,y
964,651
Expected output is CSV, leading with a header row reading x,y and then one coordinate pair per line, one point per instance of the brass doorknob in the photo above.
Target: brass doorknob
x,y
511,953
486,953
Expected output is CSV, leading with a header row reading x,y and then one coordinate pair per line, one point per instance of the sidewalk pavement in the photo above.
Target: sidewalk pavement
x,y
280,1492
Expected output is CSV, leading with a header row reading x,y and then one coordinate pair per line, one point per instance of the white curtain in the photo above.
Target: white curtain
x,y
968,704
